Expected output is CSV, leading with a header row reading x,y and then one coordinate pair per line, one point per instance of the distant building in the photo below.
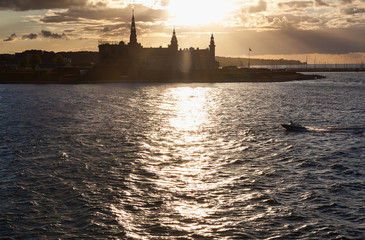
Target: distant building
x,y
133,56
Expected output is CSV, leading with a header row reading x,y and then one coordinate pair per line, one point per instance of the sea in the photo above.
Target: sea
x,y
184,161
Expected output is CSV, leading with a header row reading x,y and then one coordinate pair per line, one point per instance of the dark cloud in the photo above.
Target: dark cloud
x,y
292,41
353,10
60,18
12,37
121,30
30,36
346,1
69,30
320,3
115,27
44,34
24,5
260,7
142,13
296,4
48,34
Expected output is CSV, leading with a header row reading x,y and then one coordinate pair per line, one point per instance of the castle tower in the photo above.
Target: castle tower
x,y
133,36
173,46
212,48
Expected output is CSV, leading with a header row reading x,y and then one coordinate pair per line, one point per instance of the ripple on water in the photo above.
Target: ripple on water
x,y
190,161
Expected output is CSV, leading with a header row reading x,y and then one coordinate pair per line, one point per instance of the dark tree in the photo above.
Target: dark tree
x,y
59,59
35,60
24,62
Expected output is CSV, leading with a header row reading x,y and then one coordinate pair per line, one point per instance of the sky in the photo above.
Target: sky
x,y
321,31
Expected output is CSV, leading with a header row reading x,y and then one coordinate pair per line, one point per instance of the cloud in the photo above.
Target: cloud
x,y
296,4
48,34
142,13
69,30
353,10
281,22
302,14
115,27
30,36
320,3
346,1
25,5
164,3
109,30
260,7
292,41
290,21
12,37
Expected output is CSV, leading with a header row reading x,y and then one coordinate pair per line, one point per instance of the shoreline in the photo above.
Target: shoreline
x,y
101,76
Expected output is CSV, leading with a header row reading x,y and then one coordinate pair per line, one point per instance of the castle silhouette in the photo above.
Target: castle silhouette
x,y
134,57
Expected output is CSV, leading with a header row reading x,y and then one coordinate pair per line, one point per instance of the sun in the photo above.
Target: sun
x,y
192,12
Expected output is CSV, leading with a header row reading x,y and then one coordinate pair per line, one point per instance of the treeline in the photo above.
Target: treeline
x,y
31,57
243,62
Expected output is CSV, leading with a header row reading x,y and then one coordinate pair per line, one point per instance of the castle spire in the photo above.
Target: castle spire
x,y
212,40
212,48
174,45
133,36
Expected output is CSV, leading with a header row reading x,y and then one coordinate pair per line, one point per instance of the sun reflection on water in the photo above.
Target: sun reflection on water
x,y
188,171
176,161
188,112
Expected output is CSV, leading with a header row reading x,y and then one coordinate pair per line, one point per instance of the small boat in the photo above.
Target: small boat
x,y
294,127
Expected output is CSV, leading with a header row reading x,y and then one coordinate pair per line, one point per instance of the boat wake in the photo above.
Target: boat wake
x,y
349,129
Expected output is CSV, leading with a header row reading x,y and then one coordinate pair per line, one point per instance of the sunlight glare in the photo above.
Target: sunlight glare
x,y
199,12
178,156
190,113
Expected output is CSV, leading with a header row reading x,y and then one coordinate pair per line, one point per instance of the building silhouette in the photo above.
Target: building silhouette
x,y
134,57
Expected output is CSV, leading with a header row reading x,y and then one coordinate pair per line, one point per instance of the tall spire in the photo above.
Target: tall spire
x,y
174,45
212,48
212,41
133,36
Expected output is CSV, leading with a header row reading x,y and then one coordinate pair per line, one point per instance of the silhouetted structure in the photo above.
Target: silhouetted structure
x,y
134,57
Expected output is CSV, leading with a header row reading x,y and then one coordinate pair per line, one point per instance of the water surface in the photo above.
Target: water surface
x,y
183,161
